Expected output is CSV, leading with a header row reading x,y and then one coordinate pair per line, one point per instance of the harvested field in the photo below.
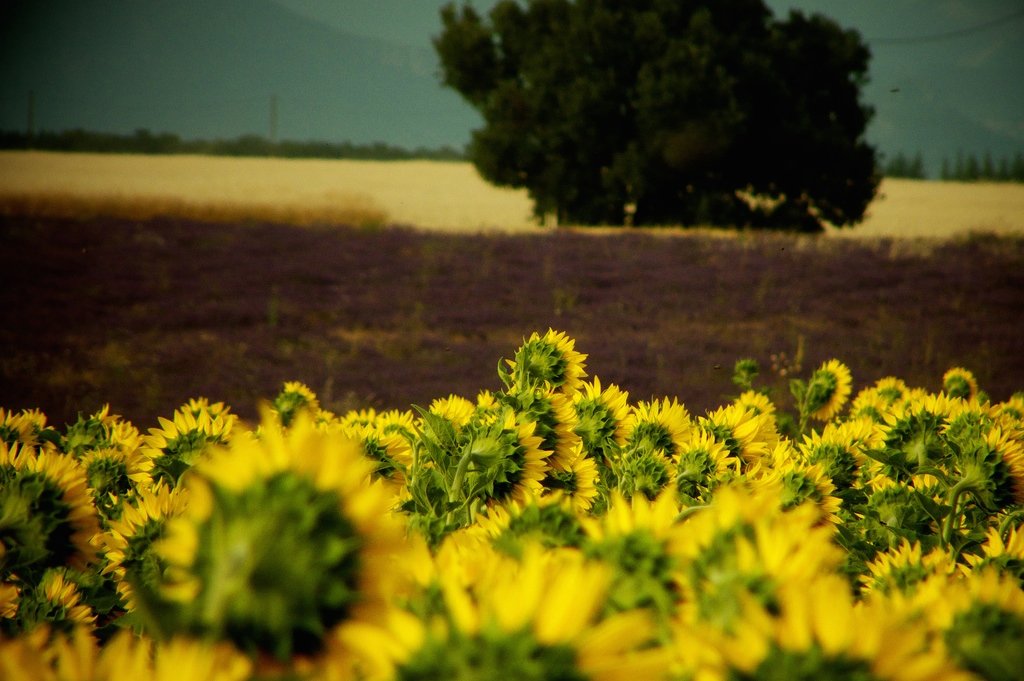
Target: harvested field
x,y
429,194
146,314
426,194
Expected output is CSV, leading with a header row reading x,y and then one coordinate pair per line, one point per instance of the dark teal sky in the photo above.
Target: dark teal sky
x,y
947,76
913,43
411,22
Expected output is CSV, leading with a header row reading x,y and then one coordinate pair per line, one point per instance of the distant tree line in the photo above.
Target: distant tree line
x,y
970,168
143,141
902,166
965,168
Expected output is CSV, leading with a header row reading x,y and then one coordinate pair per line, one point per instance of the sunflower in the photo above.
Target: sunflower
x,y
891,389
785,453
980,621
835,449
662,426
1009,447
183,658
49,519
548,362
860,433
764,409
967,420
816,631
101,430
456,409
1005,553
740,429
294,397
42,655
358,417
389,451
959,382
509,458
464,556
548,521
870,404
939,404
554,415
456,471
114,475
642,470
756,401
827,391
702,464
1011,412
912,437
990,467
398,421
284,542
77,655
574,479
26,427
24,658
201,404
742,546
54,602
800,483
601,419
537,618
129,540
897,505
180,442
900,570
638,539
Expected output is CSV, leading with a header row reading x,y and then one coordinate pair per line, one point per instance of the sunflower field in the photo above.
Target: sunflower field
x,y
553,529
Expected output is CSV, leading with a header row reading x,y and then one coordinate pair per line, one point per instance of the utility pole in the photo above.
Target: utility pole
x,y
273,119
30,124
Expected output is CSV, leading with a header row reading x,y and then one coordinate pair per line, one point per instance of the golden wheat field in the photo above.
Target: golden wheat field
x,y
424,194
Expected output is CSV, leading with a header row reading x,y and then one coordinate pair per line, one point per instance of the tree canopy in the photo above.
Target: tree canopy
x,y
666,111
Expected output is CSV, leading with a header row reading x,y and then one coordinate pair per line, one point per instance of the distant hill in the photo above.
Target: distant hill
x,y
208,69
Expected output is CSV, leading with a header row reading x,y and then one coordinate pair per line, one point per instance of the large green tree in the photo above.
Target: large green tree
x,y
666,111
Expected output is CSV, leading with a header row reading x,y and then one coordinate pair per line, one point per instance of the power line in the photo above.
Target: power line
x,y
937,37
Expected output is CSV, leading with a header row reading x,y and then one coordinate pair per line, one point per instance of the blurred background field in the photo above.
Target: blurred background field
x,y
144,281
145,315
435,195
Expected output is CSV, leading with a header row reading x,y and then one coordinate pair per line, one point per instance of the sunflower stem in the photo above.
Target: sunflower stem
x,y
455,491
804,412
955,494
1007,523
691,510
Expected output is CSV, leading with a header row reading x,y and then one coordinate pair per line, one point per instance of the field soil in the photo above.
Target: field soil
x,y
144,315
